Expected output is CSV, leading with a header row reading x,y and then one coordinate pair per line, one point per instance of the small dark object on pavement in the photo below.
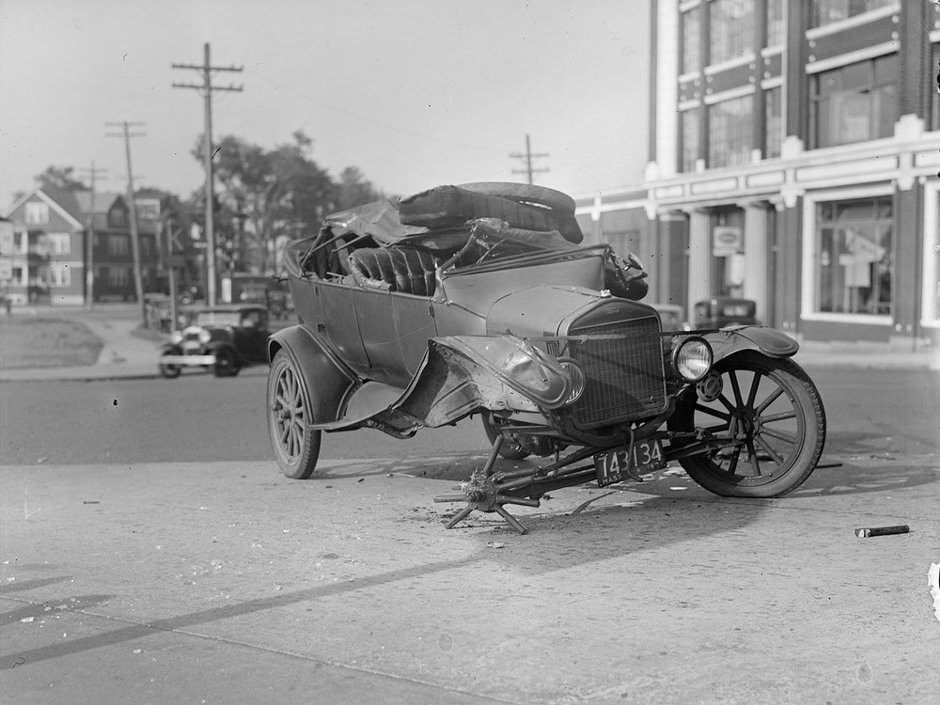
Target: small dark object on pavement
x,y
882,531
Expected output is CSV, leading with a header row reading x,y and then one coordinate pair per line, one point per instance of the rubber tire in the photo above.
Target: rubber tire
x,y
524,193
509,449
170,371
810,435
285,381
452,206
226,364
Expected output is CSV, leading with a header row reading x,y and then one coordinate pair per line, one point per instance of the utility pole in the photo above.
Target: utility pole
x,y
92,174
208,152
135,232
528,157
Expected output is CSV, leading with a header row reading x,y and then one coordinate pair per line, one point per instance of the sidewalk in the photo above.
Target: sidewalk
x,y
124,355
127,355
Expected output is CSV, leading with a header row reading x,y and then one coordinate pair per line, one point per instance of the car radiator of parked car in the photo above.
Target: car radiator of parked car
x,y
623,370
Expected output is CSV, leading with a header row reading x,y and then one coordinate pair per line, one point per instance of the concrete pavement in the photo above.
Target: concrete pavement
x,y
126,354
226,583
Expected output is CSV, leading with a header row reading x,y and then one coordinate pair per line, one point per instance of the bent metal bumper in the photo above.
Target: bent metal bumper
x,y
187,360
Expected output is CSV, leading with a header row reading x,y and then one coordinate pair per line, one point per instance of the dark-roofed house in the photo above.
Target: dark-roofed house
x,y
51,260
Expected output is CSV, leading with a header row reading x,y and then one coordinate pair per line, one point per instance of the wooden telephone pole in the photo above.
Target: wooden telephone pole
x,y
528,157
135,231
92,174
208,152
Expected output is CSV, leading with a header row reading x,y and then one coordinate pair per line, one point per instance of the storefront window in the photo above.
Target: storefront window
x,y
691,46
689,147
774,23
856,102
730,132
773,122
828,11
854,256
731,27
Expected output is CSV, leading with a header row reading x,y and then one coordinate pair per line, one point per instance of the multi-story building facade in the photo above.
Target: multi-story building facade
x,y
794,149
52,253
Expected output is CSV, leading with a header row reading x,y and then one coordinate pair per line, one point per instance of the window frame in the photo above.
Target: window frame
x,y
809,270
870,89
36,213
747,118
879,6
741,29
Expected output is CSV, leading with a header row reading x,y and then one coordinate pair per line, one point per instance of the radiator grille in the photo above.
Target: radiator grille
x,y
624,376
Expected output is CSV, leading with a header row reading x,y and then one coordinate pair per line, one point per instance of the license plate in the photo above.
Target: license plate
x,y
618,465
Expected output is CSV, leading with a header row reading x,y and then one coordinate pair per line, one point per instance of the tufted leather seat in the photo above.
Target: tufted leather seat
x,y
397,269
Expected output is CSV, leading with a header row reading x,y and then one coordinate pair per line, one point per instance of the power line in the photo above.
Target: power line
x,y
528,157
208,152
135,231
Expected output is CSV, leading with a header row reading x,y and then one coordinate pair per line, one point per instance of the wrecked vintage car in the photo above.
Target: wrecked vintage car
x,y
479,300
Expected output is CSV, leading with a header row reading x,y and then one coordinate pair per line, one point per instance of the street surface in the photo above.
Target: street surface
x,y
151,553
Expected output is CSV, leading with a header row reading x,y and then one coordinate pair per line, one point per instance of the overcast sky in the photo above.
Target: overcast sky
x,y
415,93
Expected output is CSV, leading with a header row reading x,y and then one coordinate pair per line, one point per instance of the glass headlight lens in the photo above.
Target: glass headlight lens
x,y
692,359
204,336
577,380
177,337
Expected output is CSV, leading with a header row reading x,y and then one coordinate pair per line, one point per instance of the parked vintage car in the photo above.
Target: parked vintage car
x,y
721,311
672,316
478,300
222,338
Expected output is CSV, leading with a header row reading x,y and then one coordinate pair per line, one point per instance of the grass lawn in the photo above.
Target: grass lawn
x,y
46,342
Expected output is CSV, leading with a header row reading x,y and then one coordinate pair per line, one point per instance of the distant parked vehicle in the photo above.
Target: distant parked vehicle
x,y
721,311
242,288
671,316
223,338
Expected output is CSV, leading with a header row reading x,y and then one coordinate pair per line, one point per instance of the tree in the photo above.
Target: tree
x,y
354,189
60,178
265,196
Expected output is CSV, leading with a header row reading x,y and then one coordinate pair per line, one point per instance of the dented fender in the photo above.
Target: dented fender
x,y
462,374
769,341
514,363
326,378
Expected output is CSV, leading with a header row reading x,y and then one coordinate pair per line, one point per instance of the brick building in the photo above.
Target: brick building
x,y
794,149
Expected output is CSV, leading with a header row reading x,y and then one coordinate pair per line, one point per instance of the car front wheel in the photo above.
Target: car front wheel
x,y
170,371
290,413
764,421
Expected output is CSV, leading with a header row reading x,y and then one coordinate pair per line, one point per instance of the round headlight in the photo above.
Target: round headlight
x,y
692,359
204,336
577,379
177,337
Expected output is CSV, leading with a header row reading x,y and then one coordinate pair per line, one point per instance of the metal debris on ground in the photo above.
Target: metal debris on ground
x,y
882,531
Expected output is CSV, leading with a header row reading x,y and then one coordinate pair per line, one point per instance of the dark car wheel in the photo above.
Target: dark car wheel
x,y
226,364
511,449
772,417
296,445
167,370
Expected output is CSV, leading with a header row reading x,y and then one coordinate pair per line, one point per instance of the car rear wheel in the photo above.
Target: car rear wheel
x,y
226,364
296,445
765,420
